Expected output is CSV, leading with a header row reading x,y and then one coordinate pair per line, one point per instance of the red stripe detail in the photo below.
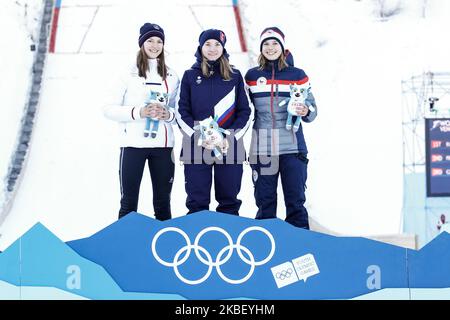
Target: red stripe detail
x,y
165,127
167,91
271,107
165,145
226,118
237,16
302,81
54,27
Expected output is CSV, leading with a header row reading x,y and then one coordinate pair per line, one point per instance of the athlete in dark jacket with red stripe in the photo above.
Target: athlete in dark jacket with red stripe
x,y
212,88
276,151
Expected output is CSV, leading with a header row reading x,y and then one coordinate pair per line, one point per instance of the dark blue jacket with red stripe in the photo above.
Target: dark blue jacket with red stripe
x,y
201,97
267,88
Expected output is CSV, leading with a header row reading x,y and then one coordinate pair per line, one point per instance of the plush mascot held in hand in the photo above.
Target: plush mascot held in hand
x,y
299,94
212,136
155,97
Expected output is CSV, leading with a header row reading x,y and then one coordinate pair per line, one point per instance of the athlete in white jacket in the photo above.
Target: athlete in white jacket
x,y
128,98
129,105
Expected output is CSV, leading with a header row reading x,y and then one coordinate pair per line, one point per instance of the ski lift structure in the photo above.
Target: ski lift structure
x,y
425,96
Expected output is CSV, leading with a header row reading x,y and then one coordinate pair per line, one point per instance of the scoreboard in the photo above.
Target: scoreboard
x,y
437,139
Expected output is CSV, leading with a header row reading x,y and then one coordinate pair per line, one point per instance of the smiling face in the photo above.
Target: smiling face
x,y
271,49
212,50
153,47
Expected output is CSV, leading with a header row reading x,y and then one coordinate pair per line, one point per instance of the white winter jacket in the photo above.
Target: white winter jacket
x,y
126,98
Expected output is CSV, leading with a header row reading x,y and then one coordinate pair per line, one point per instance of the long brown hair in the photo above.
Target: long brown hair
x,y
225,67
142,64
263,62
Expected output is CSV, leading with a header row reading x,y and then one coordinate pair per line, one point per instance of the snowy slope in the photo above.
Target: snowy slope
x,y
356,61
71,181
18,29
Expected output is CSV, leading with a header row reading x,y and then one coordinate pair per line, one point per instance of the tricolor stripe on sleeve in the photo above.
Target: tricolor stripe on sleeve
x,y
225,107
288,82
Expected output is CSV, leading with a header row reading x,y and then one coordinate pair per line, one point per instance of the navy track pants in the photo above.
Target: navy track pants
x,y
293,171
227,184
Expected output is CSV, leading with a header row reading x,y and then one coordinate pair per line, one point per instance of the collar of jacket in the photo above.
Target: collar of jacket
x,y
272,64
152,64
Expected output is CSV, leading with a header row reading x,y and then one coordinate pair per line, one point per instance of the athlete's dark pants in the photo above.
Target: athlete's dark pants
x,y
227,184
162,168
293,171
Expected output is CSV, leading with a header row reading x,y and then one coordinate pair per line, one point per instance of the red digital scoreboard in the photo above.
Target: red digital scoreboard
x,y
437,139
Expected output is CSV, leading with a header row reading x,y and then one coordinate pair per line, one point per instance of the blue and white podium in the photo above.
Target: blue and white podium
x,y
209,255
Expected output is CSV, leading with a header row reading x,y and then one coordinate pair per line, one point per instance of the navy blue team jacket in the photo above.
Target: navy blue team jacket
x,y
267,89
201,97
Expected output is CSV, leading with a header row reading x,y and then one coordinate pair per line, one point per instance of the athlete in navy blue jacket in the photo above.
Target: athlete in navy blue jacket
x,y
212,88
276,151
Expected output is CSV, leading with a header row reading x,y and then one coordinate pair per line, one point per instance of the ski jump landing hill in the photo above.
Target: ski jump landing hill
x,y
68,192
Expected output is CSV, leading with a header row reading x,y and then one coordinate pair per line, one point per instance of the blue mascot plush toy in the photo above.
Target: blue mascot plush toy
x,y
154,97
299,94
213,135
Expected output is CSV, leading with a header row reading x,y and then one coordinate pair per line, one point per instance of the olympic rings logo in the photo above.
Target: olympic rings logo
x,y
284,274
219,259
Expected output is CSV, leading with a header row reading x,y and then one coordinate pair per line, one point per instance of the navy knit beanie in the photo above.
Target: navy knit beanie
x,y
215,34
272,33
150,30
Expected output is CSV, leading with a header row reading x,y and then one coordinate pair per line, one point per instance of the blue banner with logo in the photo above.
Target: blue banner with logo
x,y
210,255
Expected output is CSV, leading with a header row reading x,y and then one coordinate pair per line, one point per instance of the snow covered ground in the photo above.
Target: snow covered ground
x,y
355,59
18,30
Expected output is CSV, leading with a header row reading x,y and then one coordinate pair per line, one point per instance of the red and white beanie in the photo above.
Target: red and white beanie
x,y
272,33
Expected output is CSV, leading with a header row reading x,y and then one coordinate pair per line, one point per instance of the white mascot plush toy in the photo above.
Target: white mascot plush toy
x,y
212,134
299,94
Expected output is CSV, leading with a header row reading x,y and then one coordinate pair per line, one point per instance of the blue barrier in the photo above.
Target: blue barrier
x,y
209,255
